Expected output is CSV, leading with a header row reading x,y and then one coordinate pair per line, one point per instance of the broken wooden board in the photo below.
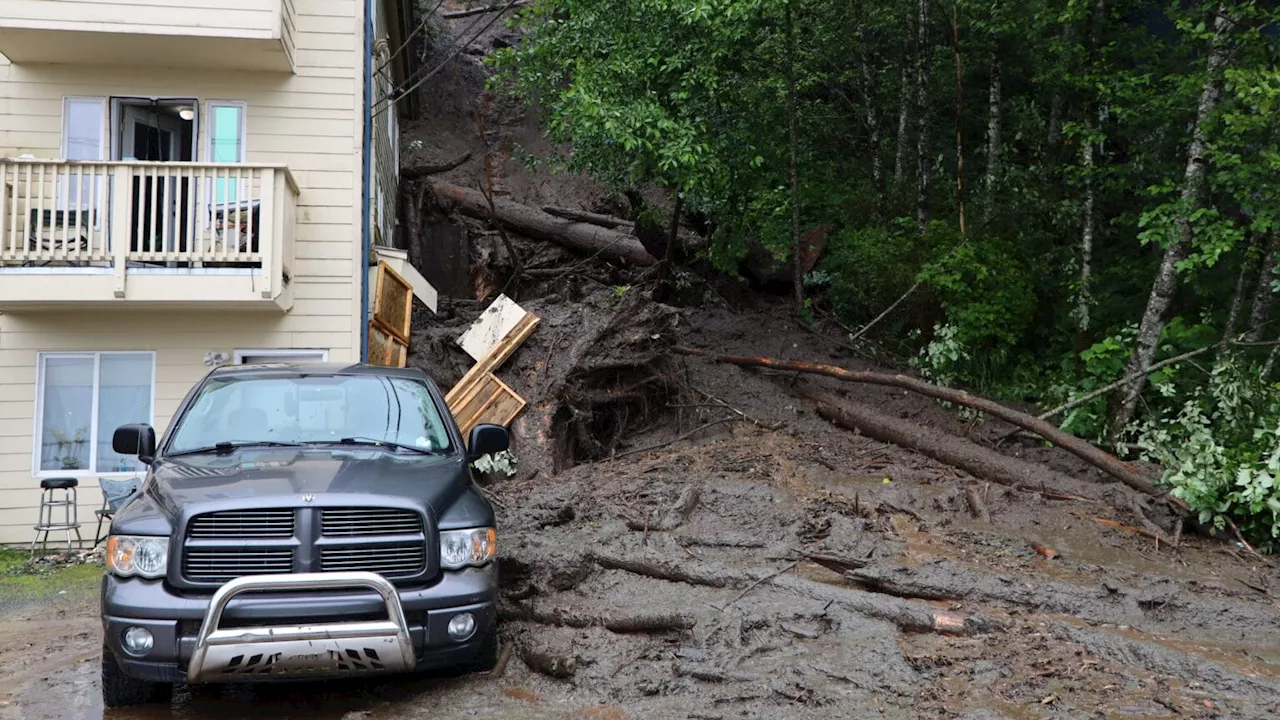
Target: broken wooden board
x,y
393,303
497,355
488,400
480,397
493,324
385,349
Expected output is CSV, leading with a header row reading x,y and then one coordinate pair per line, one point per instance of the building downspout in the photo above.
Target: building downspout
x,y
366,171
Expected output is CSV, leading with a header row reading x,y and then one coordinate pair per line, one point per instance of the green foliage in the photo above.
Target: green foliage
x,y
1220,450
503,462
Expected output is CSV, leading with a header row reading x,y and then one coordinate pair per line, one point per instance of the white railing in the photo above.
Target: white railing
x,y
146,214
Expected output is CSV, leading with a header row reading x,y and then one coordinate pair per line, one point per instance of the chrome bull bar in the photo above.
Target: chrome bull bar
x,y
354,648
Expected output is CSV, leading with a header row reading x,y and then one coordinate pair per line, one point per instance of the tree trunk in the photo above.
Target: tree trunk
x,y
993,138
1109,464
797,263
1084,300
873,124
955,34
1248,272
1192,196
923,54
904,118
1264,296
582,237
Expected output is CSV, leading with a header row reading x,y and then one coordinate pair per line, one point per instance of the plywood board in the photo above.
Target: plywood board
x,y
393,303
494,323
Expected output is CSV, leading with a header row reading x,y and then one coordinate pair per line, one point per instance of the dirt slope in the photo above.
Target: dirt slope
x,y
1059,615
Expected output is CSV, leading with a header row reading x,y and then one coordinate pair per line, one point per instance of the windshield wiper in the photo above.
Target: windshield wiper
x,y
373,442
225,447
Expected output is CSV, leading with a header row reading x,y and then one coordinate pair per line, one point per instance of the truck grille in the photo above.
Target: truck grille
x,y
227,544
243,524
355,522
391,561
218,565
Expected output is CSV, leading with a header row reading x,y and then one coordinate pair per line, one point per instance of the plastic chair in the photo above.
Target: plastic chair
x,y
114,495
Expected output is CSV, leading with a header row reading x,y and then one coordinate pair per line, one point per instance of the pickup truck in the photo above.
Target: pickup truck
x,y
300,521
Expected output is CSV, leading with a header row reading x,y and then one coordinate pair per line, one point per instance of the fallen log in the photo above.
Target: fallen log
x,y
420,171
907,615
950,449
577,236
1122,471
605,221
614,623
556,666
496,7
665,570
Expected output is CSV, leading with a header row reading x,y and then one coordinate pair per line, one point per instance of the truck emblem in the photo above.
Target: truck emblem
x,y
308,498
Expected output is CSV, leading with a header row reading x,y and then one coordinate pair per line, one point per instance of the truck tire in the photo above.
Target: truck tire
x,y
120,690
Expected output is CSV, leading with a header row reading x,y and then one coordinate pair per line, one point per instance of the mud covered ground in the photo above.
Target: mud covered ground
x,y
929,613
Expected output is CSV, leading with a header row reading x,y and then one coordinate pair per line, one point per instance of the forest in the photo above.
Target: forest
x,y
1066,204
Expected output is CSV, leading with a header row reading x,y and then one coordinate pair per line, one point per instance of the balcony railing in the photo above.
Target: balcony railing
x,y
133,220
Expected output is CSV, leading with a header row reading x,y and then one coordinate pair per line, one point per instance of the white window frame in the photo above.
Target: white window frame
x,y
277,354
38,430
64,191
210,106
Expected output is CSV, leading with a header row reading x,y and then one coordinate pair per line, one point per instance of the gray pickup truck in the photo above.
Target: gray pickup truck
x,y
300,521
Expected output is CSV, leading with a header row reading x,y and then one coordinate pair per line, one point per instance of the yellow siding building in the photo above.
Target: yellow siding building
x,y
183,184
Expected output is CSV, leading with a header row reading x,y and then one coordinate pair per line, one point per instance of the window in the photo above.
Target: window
x,y
226,144
321,409
81,398
82,139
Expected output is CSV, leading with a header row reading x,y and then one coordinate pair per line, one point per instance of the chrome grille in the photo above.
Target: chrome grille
x,y
247,524
390,561
356,522
221,565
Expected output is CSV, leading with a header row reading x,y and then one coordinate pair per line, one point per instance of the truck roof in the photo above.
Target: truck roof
x,y
317,368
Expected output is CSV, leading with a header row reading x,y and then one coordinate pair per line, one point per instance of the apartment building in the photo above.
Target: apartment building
x,y
183,183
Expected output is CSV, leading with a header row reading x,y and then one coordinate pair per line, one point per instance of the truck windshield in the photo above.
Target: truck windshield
x,y
293,409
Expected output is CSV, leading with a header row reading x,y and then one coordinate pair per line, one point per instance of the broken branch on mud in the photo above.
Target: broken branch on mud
x,y
1122,471
663,570
421,171
907,615
496,7
556,666
604,221
675,516
613,623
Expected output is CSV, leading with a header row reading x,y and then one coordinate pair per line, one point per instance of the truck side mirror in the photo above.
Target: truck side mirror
x,y
137,439
487,439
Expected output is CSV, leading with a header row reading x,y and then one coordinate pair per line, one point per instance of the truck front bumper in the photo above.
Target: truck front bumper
x,y
275,627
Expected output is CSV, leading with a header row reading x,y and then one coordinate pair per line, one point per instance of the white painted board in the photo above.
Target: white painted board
x,y
493,324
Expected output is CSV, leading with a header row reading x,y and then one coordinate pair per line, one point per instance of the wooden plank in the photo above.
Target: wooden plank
x,y
493,324
393,303
498,355
493,402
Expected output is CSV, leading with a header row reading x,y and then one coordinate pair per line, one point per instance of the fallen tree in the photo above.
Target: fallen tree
x,y
581,237
1122,471
950,449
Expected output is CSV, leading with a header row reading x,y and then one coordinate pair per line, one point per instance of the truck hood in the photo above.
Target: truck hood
x,y
282,477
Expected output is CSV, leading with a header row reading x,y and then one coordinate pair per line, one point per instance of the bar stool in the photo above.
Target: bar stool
x,y
48,503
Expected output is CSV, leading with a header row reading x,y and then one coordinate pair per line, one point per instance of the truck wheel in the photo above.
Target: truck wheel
x,y
120,690
487,658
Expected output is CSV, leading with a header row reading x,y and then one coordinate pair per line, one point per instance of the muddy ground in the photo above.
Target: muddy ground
x,y
1096,623
698,543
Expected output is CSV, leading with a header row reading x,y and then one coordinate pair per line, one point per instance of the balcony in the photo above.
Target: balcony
x,y
102,234
206,34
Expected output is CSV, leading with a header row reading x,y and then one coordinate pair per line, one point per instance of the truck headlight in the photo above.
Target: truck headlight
x,y
129,555
462,548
